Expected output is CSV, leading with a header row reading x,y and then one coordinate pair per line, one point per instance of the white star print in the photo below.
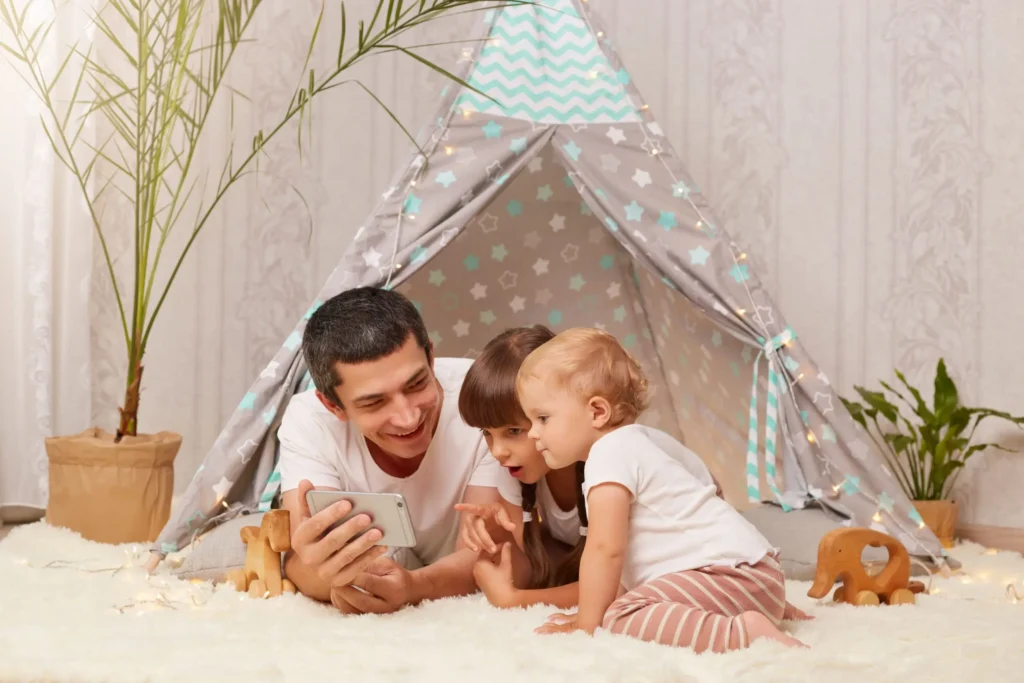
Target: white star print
x,y
247,450
536,164
517,304
540,267
532,240
610,162
828,402
823,378
642,178
508,279
595,235
493,170
488,222
601,326
765,313
655,128
557,223
372,258
270,372
543,297
465,155
448,235
615,135
613,290
222,488
570,253
639,235
461,328
479,291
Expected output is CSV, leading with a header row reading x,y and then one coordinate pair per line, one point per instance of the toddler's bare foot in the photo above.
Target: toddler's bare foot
x,y
760,626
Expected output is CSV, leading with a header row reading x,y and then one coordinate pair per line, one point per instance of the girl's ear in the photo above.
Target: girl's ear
x,y
600,411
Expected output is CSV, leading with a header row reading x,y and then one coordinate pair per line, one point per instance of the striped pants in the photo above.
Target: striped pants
x,y
700,608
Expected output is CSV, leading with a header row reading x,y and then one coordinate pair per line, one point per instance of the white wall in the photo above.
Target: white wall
x,y
869,154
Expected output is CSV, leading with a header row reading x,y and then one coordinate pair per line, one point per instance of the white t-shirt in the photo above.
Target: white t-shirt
x,y
317,446
563,526
676,521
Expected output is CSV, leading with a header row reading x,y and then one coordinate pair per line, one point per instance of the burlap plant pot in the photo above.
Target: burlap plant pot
x,y
941,517
112,492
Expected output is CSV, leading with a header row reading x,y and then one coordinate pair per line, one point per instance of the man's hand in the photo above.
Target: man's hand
x,y
386,587
335,557
495,579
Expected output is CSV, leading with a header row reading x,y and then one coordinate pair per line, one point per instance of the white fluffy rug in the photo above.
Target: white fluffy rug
x,y
66,615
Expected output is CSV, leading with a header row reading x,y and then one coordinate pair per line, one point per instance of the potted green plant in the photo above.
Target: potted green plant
x,y
150,79
926,451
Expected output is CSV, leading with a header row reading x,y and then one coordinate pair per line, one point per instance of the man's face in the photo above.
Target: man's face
x,y
393,401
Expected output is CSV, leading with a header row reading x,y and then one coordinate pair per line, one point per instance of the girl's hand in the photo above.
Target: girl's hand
x,y
559,622
473,527
495,580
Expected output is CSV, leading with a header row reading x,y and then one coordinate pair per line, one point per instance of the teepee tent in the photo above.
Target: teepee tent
x,y
554,197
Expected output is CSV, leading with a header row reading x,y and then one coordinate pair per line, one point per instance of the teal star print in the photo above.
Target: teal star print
x,y
573,150
791,364
716,338
499,252
471,262
544,193
915,516
885,502
445,178
555,318
248,401
514,207
436,277
607,261
576,282
828,434
418,254
667,220
492,129
293,341
851,485
517,145
634,212
740,272
681,190
612,225
622,76
699,256
619,314
412,204
487,317
629,341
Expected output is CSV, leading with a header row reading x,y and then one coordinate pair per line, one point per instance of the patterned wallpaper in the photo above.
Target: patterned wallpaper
x,y
868,155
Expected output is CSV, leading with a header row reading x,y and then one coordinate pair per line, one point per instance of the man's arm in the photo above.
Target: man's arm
x,y
453,575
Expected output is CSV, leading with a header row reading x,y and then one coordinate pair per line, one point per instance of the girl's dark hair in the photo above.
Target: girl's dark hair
x,y
488,400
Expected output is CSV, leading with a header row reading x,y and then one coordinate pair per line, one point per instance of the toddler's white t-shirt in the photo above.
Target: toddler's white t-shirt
x,y
676,521
330,453
563,525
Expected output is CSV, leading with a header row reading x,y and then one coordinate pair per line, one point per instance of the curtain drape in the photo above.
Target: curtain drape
x,y
45,270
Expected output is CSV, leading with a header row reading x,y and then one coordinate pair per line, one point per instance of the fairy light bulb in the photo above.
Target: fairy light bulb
x,y
877,517
449,150
810,437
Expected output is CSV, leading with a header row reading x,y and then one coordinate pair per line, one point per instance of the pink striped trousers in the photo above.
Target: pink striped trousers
x,y
700,608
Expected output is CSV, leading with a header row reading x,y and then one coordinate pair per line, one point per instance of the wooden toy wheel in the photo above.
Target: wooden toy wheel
x,y
902,596
866,598
257,588
236,578
287,586
838,595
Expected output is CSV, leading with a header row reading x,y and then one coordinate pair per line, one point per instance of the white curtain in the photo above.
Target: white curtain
x,y
45,264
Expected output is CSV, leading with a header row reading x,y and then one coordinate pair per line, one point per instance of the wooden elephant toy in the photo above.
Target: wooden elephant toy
x,y
839,557
261,576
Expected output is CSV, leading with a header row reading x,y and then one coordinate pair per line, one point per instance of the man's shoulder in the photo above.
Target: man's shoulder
x,y
451,372
305,409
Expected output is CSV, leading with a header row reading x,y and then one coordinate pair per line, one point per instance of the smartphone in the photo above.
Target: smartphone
x,y
388,512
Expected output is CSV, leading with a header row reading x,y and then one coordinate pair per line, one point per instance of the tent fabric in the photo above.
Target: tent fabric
x,y
563,203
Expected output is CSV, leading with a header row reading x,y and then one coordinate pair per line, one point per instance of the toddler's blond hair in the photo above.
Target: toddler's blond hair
x,y
590,362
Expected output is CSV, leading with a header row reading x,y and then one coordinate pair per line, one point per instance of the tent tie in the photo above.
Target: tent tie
x,y
771,424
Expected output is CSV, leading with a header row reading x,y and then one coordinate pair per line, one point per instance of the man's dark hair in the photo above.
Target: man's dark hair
x,y
356,326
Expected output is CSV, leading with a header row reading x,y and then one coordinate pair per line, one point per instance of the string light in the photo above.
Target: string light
x,y
449,150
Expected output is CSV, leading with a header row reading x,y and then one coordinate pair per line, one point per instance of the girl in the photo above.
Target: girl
x,y
539,507
694,571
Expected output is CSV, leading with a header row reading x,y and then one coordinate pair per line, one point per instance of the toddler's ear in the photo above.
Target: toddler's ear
x,y
600,412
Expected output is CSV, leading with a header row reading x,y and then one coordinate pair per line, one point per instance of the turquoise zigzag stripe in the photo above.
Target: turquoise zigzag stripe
x,y
524,28
541,9
562,97
502,74
538,113
507,67
516,43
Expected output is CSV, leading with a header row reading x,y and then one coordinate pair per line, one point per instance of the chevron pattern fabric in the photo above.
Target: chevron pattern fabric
x,y
543,64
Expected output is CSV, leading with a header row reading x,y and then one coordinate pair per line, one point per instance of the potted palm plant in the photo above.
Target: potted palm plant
x,y
149,78
926,451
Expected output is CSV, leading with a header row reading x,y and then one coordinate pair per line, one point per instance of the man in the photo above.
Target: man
x,y
383,419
